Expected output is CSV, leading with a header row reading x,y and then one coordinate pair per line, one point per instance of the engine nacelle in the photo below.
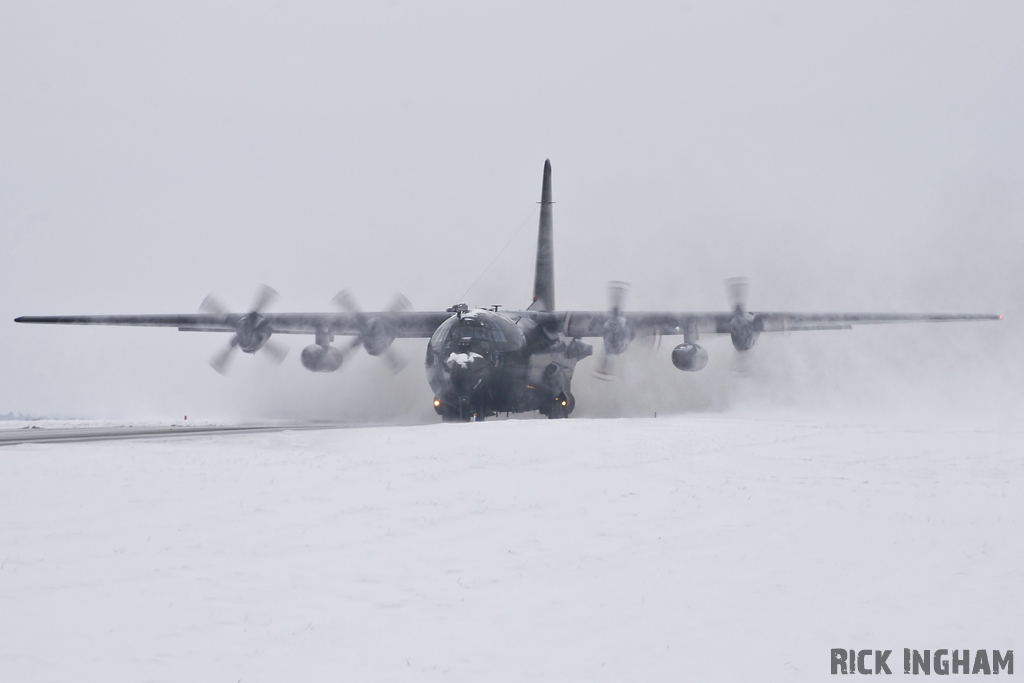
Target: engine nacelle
x,y
689,357
744,330
251,332
316,358
743,339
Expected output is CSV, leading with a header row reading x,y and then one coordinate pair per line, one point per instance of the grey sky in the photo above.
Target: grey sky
x,y
844,156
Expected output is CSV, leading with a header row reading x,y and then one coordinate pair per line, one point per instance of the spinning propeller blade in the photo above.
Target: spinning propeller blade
x,y
265,296
274,351
738,288
221,360
617,334
605,370
214,306
617,296
344,301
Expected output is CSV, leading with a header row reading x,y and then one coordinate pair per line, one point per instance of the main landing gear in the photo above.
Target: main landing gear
x,y
560,407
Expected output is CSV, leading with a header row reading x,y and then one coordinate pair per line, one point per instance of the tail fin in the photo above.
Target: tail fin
x,y
544,276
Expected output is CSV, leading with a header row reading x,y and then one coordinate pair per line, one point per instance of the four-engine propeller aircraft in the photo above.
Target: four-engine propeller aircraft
x,y
483,362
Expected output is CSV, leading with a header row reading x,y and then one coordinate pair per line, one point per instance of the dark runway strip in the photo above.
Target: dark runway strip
x,y
11,437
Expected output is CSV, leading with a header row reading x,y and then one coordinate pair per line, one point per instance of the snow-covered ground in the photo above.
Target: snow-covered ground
x,y
683,548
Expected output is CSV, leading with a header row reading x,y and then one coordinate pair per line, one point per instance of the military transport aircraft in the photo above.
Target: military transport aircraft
x,y
480,363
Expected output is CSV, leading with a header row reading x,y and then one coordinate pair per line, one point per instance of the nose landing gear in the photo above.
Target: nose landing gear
x,y
461,412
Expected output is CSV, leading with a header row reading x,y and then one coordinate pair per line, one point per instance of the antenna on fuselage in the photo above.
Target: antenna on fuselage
x,y
544,275
458,309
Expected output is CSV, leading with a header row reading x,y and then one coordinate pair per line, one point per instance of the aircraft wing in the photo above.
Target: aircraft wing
x,y
421,324
404,323
785,322
591,323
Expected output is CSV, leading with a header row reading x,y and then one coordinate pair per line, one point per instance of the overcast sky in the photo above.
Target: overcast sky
x,y
862,156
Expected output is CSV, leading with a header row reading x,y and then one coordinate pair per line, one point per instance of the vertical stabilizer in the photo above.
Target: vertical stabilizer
x,y
544,276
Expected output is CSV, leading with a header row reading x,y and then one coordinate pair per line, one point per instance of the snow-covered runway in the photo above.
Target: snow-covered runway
x,y
683,548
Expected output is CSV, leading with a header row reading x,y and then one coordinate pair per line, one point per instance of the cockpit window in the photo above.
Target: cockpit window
x,y
477,331
493,332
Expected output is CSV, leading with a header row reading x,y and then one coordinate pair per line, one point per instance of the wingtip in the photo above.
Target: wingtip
x,y
547,166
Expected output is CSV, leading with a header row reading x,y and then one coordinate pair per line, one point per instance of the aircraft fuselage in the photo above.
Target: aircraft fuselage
x,y
480,363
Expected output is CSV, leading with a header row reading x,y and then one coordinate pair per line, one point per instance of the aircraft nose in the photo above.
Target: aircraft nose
x,y
467,371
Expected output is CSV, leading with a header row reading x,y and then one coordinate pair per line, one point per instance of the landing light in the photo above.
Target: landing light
x,y
564,403
437,403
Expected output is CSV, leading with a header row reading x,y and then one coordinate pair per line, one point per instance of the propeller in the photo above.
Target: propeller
x,y
617,331
376,332
252,332
744,327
